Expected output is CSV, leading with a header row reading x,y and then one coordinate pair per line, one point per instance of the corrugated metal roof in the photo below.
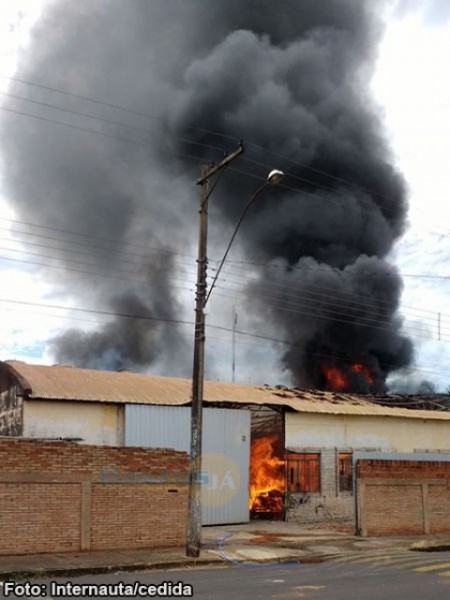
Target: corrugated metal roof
x,y
69,383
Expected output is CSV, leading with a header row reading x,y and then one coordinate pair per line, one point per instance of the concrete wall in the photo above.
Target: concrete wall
x,y
10,405
93,422
391,434
66,497
401,497
329,504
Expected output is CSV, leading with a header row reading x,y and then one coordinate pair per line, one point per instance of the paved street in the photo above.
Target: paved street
x,y
420,562
350,578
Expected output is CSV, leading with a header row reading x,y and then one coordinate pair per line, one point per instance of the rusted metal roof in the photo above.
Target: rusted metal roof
x,y
70,383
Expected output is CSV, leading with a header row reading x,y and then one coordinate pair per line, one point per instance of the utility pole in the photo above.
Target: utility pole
x,y
194,525
233,366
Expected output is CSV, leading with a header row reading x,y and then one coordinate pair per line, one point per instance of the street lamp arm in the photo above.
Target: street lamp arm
x,y
244,212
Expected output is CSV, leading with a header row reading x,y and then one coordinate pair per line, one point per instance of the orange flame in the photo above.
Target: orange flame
x,y
359,368
338,380
335,378
267,479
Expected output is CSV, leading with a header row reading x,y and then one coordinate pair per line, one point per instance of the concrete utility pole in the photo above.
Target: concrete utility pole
x,y
194,525
233,364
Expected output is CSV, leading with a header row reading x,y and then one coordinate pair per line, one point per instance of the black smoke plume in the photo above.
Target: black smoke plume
x,y
291,78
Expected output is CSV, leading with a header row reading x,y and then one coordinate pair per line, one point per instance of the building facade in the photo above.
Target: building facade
x,y
302,446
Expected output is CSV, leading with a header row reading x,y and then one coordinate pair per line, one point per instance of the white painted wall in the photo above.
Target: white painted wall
x,y
94,422
390,434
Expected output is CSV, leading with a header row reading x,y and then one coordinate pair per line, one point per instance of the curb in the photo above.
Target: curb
x,y
180,564
77,571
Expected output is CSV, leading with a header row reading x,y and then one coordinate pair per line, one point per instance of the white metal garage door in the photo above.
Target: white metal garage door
x,y
225,450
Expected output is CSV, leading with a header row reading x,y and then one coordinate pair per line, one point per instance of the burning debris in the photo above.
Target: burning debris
x,y
267,476
293,82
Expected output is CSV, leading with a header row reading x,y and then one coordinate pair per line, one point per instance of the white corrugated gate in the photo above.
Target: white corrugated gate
x,y
225,450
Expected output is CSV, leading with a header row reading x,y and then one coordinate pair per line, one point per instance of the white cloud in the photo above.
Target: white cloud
x,y
413,87
16,20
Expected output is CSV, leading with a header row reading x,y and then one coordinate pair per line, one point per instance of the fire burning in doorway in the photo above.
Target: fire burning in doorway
x,y
267,478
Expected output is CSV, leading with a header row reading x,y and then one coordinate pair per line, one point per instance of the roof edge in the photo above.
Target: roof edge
x,y
23,382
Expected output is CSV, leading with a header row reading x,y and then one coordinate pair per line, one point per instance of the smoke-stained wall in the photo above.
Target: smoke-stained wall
x,y
291,79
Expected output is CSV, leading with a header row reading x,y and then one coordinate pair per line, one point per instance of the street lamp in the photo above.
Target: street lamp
x,y
194,524
274,177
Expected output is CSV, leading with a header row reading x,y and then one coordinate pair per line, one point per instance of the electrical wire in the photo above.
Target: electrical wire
x,y
87,236
329,297
360,321
215,148
330,312
97,274
366,300
105,120
192,157
353,322
185,322
107,257
222,135
297,191
193,128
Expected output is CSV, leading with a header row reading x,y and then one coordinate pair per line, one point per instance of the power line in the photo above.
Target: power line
x,y
211,132
95,131
100,312
274,294
182,322
123,139
303,192
105,120
355,322
359,321
70,126
319,268
89,236
74,112
297,191
202,130
106,257
136,142
100,322
366,299
88,264
105,275
326,308
330,308
277,284
345,296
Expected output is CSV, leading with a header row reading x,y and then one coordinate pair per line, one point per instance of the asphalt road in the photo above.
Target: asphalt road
x,y
326,581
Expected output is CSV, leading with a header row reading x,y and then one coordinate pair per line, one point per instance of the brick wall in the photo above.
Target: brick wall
x,y
61,496
403,497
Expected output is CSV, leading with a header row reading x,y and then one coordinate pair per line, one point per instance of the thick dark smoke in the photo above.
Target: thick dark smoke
x,y
290,78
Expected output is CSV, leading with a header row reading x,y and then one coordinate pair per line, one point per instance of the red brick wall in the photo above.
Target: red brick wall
x,y
402,469
403,497
61,496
